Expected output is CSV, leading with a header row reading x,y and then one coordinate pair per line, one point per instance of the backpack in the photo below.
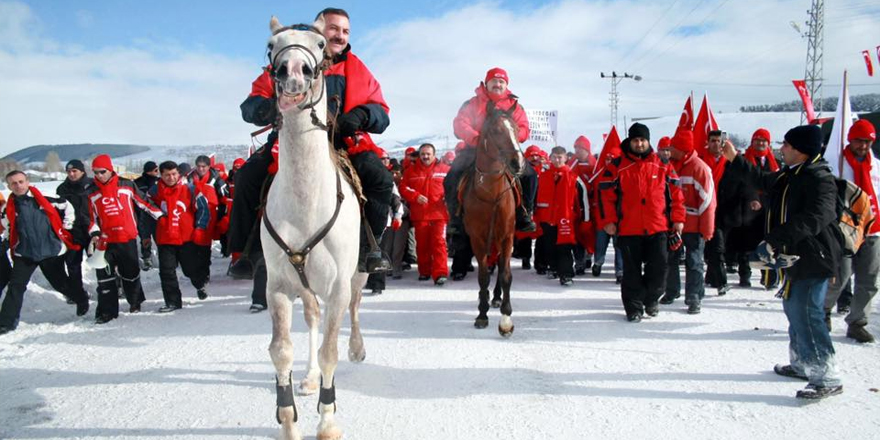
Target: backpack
x,y
854,215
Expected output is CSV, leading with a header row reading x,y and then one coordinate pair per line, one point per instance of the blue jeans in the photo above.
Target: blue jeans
x,y
602,240
694,287
810,348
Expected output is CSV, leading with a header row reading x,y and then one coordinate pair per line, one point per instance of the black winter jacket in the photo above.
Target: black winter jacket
x,y
802,217
77,193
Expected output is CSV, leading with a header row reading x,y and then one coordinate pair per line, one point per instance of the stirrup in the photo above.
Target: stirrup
x,y
375,262
241,269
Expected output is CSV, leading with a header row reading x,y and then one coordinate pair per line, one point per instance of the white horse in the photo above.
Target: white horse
x,y
307,200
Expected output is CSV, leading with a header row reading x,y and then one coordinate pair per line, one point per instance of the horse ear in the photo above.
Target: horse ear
x,y
319,23
274,24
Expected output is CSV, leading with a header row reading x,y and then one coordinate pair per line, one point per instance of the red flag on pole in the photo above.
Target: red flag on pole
x,y
704,124
610,150
686,121
801,87
868,62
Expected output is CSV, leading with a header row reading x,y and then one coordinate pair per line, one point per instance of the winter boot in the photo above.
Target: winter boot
x,y
524,221
788,371
859,333
813,392
241,269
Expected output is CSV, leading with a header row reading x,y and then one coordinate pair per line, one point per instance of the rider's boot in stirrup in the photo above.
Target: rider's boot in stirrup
x,y
524,221
370,258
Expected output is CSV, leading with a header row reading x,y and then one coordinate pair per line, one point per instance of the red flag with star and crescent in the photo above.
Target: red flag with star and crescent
x,y
704,124
686,121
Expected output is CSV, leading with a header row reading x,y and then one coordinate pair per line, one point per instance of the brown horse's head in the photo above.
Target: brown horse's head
x,y
499,149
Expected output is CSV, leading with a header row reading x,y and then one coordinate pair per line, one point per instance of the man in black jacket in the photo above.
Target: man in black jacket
x,y
38,237
75,189
146,224
802,200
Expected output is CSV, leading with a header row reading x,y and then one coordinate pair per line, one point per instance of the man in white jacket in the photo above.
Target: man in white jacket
x,y
863,169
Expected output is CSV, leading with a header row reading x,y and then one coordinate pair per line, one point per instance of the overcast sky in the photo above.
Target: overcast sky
x,y
174,73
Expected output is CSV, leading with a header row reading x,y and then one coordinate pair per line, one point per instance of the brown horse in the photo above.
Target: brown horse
x,y
489,202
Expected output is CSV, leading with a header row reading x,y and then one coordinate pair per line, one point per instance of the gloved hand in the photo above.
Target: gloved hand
x,y
766,253
146,242
395,224
201,238
673,240
348,123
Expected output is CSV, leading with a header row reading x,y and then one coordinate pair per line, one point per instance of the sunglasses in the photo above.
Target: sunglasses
x,y
101,172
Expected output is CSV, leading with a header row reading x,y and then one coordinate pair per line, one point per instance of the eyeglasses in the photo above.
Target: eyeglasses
x,y
100,172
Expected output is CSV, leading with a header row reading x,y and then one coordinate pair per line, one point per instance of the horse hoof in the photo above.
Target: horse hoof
x,y
357,357
496,303
481,322
330,433
505,326
505,333
290,433
307,387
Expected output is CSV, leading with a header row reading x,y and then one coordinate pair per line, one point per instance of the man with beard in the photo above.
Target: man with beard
x,y
356,97
75,189
641,202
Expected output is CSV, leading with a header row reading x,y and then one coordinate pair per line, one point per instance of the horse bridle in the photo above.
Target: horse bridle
x,y
317,68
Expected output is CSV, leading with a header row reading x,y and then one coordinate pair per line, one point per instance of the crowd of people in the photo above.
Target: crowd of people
x,y
707,207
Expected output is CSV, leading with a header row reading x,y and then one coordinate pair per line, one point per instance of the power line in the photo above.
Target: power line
x,y
669,32
637,43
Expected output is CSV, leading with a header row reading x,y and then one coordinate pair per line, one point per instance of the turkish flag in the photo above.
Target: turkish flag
x,y
868,62
687,115
610,150
801,87
705,123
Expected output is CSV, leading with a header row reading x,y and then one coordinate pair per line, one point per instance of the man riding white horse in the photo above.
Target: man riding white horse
x,y
355,97
491,93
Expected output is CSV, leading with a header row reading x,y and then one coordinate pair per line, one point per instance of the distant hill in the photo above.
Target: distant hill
x,y
66,152
860,103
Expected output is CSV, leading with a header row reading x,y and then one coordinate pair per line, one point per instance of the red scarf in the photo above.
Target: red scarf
x,y
556,192
203,187
752,155
862,175
170,195
110,191
717,167
54,220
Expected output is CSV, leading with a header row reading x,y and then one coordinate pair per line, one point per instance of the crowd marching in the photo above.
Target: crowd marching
x,y
682,201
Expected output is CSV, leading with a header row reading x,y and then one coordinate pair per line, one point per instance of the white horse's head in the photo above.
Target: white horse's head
x,y
296,54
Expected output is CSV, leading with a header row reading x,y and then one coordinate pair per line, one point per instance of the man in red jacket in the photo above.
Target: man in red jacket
x,y
555,212
207,183
698,191
641,202
491,93
422,188
113,225
584,166
187,215
355,95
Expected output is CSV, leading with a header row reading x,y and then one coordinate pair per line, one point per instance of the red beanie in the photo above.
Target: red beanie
x,y
237,163
862,129
762,133
102,162
410,151
582,143
496,72
683,141
664,143
533,150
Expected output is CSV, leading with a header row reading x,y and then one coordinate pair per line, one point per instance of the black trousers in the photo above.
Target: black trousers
x,y
73,261
522,249
464,255
187,256
246,201
644,270
716,272
22,269
378,185
122,259
560,259
261,278
5,266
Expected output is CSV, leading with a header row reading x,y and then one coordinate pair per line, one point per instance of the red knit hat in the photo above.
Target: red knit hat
x,y
762,133
664,142
862,129
410,151
496,72
102,162
582,143
237,163
533,150
683,141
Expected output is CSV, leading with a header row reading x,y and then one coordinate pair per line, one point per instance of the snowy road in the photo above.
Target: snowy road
x,y
574,369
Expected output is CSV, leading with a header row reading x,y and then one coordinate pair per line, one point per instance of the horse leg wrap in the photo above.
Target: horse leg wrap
x,y
284,398
327,396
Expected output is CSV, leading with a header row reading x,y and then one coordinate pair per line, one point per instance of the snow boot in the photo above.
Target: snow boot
x,y
816,393
859,333
788,371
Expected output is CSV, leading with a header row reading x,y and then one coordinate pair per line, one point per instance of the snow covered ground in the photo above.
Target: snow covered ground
x,y
574,369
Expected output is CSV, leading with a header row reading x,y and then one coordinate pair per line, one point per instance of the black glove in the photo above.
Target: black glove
x,y
348,123
673,241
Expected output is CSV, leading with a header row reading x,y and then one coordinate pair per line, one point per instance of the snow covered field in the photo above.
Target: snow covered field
x,y
573,369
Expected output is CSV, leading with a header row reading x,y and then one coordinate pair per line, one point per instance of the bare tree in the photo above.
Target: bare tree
x,y
53,163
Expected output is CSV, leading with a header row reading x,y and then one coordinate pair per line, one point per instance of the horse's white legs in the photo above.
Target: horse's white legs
x,y
328,358
312,311
281,351
356,350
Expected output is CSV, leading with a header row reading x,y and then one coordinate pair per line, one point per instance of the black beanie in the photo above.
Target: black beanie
x,y
639,130
805,138
75,164
150,166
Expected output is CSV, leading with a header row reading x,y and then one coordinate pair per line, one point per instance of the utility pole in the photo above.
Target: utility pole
x,y
815,36
615,97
